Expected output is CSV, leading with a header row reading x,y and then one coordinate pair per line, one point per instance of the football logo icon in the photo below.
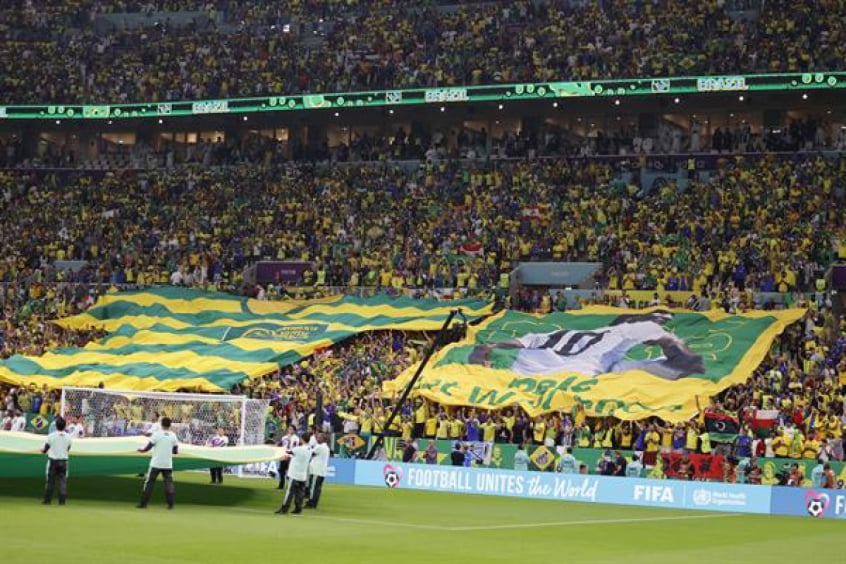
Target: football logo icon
x,y
392,475
816,504
701,496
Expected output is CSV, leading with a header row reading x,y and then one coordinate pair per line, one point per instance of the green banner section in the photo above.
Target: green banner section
x,y
21,457
38,424
171,339
438,96
614,362
770,467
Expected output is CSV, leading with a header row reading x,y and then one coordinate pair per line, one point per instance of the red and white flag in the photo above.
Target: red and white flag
x,y
532,212
764,421
471,248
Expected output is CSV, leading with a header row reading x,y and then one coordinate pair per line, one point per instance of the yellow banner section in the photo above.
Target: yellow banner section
x,y
181,339
112,380
614,362
646,296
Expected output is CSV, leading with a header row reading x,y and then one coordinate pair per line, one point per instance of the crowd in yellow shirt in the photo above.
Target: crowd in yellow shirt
x,y
382,44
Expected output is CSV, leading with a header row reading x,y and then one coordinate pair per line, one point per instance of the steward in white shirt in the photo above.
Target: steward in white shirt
x,y
164,445
317,471
299,457
57,449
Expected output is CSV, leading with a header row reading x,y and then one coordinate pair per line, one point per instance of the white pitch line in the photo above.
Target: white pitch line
x,y
376,522
589,522
308,515
402,524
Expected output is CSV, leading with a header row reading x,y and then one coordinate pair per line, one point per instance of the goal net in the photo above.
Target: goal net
x,y
195,417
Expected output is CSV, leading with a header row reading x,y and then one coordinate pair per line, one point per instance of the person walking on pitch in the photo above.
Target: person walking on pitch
x,y
151,429
298,462
217,440
317,471
164,445
289,441
57,449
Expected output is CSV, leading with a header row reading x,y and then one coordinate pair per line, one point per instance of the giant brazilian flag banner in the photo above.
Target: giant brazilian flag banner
x,y
615,362
173,339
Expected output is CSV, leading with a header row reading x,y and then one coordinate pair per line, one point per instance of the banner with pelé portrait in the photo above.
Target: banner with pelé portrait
x,y
630,364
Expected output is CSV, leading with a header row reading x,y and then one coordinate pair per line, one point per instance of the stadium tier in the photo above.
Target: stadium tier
x,y
73,52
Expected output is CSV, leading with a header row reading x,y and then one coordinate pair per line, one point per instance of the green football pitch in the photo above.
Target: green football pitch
x,y
235,523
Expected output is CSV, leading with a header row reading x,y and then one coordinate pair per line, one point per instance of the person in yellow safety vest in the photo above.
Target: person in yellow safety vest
x,y
378,422
598,435
456,428
608,438
833,426
691,438
811,448
396,427
509,421
407,429
430,429
705,442
796,444
781,447
625,436
652,439
552,430
443,426
583,434
419,419
538,431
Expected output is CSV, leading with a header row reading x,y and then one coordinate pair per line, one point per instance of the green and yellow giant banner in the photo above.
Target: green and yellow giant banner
x,y
21,456
615,362
173,339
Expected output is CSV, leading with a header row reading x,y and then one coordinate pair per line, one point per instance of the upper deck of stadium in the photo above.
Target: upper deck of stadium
x,y
92,52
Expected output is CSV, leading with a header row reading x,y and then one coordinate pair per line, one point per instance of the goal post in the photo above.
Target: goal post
x,y
195,417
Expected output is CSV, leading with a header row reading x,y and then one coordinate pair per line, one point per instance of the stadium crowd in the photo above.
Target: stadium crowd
x,y
799,388
768,225
802,379
202,213
51,51
729,234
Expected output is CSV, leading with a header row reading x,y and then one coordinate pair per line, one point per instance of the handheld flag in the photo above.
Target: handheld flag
x,y
722,427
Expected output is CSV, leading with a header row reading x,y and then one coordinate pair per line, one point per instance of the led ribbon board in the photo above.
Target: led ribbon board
x,y
440,96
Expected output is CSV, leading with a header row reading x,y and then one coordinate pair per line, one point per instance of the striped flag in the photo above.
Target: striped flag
x,y
172,339
532,212
764,421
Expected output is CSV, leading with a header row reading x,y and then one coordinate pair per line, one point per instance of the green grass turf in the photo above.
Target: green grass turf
x,y
235,523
